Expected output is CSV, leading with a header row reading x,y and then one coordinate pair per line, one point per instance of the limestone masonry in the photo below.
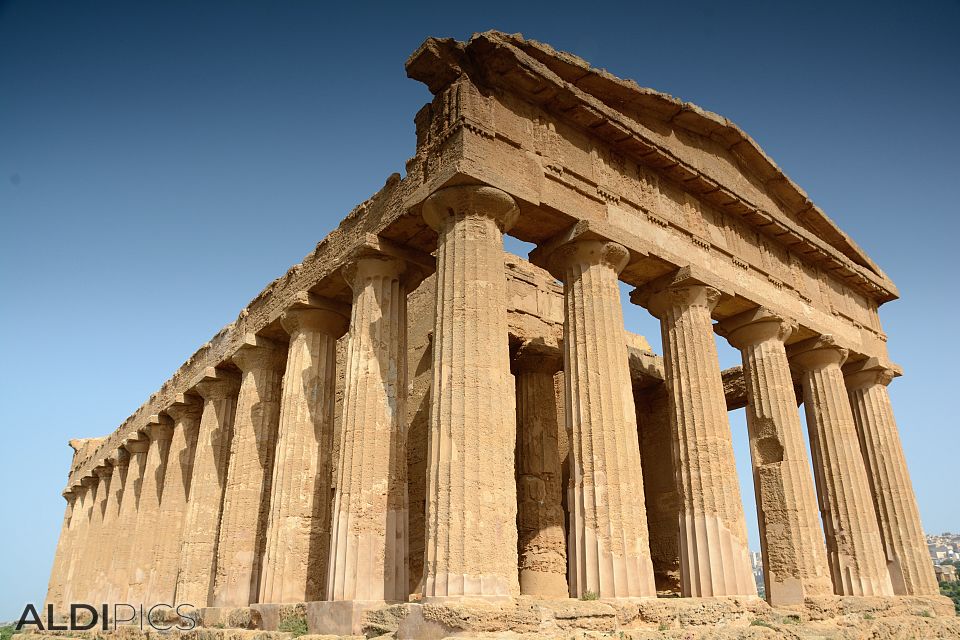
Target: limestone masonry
x,y
410,415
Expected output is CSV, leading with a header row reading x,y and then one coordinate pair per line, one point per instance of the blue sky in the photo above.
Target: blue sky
x,y
161,162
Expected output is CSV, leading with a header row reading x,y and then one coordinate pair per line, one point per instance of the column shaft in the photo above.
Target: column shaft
x,y
794,555
61,557
145,539
198,551
368,552
298,531
908,560
246,498
714,556
121,562
471,536
110,533
173,503
854,546
608,522
542,547
78,530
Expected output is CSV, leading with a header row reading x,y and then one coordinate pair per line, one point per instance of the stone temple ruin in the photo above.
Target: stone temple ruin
x,y
410,415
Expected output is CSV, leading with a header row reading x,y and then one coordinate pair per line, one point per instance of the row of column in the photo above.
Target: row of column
x,y
225,499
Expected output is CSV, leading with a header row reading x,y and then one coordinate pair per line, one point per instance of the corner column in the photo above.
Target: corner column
x,y
794,555
542,548
908,561
185,413
61,556
608,521
246,498
198,552
714,555
471,529
160,431
368,551
121,563
854,546
298,531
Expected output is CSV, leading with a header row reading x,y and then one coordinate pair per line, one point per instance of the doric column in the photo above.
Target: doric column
x,y
79,524
368,549
121,567
185,413
198,551
61,557
471,532
160,431
608,536
794,556
298,531
714,556
119,462
82,580
246,498
542,547
854,546
899,517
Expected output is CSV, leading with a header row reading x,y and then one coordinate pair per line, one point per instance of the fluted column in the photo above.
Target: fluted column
x,y
85,578
160,432
368,551
471,533
185,413
608,536
908,560
79,526
246,498
542,547
198,551
794,555
714,556
298,530
854,546
121,567
119,462
61,556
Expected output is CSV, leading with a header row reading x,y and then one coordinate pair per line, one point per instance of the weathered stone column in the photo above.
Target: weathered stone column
x,y
61,557
82,580
119,462
298,532
794,556
906,547
79,525
198,552
471,512
714,556
160,431
542,547
608,521
246,498
368,550
121,566
854,546
185,413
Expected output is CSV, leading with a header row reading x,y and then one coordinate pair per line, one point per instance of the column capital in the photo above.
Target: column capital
x,y
470,199
137,446
70,495
755,326
369,265
816,353
531,358
681,289
322,316
217,384
259,353
104,471
869,372
159,427
184,407
120,457
89,481
588,252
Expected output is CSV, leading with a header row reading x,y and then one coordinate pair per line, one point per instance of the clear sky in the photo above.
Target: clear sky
x,y
160,162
